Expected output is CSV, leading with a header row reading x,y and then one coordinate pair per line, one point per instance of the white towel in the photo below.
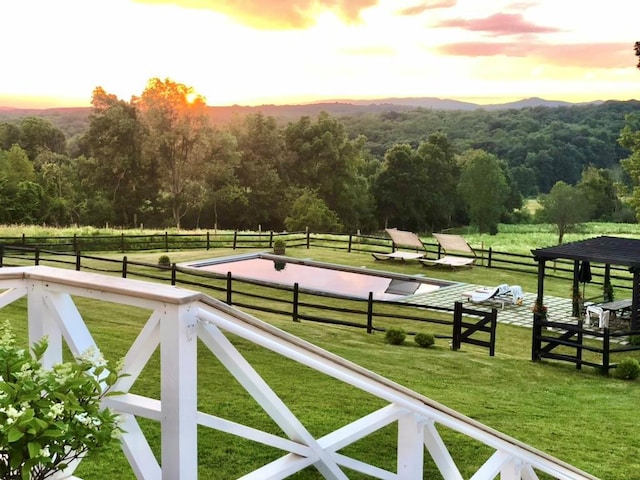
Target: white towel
x,y
517,294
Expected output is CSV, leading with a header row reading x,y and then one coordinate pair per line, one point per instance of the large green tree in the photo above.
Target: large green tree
x,y
416,188
601,193
566,207
176,130
114,168
261,151
484,188
38,134
322,158
630,139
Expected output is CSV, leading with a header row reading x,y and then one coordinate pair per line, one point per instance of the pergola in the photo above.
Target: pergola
x,y
604,250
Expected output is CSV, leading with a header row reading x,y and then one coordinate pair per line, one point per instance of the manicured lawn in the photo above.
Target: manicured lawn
x,y
579,416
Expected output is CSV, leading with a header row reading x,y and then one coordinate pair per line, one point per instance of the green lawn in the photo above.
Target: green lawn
x,y
578,416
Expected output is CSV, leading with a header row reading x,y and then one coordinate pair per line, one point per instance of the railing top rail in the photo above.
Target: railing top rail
x,y
114,285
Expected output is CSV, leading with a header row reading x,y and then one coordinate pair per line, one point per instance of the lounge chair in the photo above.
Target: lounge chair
x,y
452,243
500,294
400,239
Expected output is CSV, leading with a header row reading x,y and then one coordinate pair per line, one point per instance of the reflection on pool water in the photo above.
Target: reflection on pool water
x,y
322,277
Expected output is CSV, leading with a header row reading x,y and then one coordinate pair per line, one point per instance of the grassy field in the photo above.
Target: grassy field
x,y
579,416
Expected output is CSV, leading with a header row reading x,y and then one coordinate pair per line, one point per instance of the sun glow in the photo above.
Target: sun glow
x,y
191,97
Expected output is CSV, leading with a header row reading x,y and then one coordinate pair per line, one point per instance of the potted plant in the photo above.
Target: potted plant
x,y
279,246
51,417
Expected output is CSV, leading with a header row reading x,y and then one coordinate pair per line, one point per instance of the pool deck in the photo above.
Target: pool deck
x,y
559,309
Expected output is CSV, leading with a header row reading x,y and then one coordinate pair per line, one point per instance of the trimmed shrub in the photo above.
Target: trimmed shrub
x,y
164,260
395,336
627,369
425,340
634,340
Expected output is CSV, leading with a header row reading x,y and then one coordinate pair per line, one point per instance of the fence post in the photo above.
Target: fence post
x,y
37,259
579,348
2,255
457,326
24,240
492,338
605,351
77,260
490,257
124,267
75,242
228,288
536,333
208,240
308,238
271,239
350,239
166,241
370,313
173,274
296,294
235,239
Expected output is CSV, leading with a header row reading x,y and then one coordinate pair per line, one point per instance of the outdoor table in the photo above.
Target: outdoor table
x,y
616,305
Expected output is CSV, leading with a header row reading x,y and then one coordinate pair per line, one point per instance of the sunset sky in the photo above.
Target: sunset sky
x,y
252,52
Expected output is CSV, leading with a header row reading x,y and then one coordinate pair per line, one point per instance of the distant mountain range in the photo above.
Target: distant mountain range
x,y
290,112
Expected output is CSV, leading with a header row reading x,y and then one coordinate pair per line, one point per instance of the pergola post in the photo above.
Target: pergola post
x,y
536,331
635,324
575,290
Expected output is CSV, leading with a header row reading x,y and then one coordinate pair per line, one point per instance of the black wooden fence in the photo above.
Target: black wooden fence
x,y
294,302
465,331
569,343
123,243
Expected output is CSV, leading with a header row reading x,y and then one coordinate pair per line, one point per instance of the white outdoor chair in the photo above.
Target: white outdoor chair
x,y
601,313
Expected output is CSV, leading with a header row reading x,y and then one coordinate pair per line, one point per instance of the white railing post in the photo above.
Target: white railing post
x,y
410,447
41,321
178,363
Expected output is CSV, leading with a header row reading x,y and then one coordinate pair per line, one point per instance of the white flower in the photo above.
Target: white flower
x,y
83,418
56,410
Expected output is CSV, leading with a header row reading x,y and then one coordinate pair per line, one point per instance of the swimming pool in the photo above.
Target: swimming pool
x,y
322,277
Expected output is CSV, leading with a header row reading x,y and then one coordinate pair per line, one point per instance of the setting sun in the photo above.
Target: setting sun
x,y
191,97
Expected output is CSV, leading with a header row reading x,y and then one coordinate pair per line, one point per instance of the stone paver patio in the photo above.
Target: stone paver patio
x,y
559,309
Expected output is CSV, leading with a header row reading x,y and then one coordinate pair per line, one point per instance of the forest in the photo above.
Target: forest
x,y
161,161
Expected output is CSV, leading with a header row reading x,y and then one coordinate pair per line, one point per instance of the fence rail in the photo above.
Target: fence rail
x,y
567,343
487,258
295,302
260,296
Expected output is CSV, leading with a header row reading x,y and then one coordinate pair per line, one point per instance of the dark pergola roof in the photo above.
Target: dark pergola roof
x,y
607,250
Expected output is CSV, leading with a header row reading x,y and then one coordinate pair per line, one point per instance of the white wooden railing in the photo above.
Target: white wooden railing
x,y
178,318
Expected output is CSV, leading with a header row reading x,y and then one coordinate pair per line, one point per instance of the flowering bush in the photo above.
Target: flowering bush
x,y
49,417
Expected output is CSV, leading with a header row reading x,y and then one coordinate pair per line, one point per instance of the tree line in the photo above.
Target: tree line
x,y
158,161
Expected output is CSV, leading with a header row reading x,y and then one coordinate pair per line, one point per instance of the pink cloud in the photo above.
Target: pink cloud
x,y
498,24
592,55
275,14
425,6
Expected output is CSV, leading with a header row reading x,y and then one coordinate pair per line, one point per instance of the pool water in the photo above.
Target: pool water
x,y
325,278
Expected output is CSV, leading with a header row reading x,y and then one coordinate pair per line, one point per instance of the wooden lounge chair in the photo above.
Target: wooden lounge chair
x,y
403,239
452,243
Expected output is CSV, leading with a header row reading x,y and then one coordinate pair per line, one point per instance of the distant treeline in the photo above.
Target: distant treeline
x,y
159,160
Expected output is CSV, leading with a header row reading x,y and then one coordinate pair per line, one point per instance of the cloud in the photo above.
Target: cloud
x,y
498,24
275,14
424,6
374,51
584,55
